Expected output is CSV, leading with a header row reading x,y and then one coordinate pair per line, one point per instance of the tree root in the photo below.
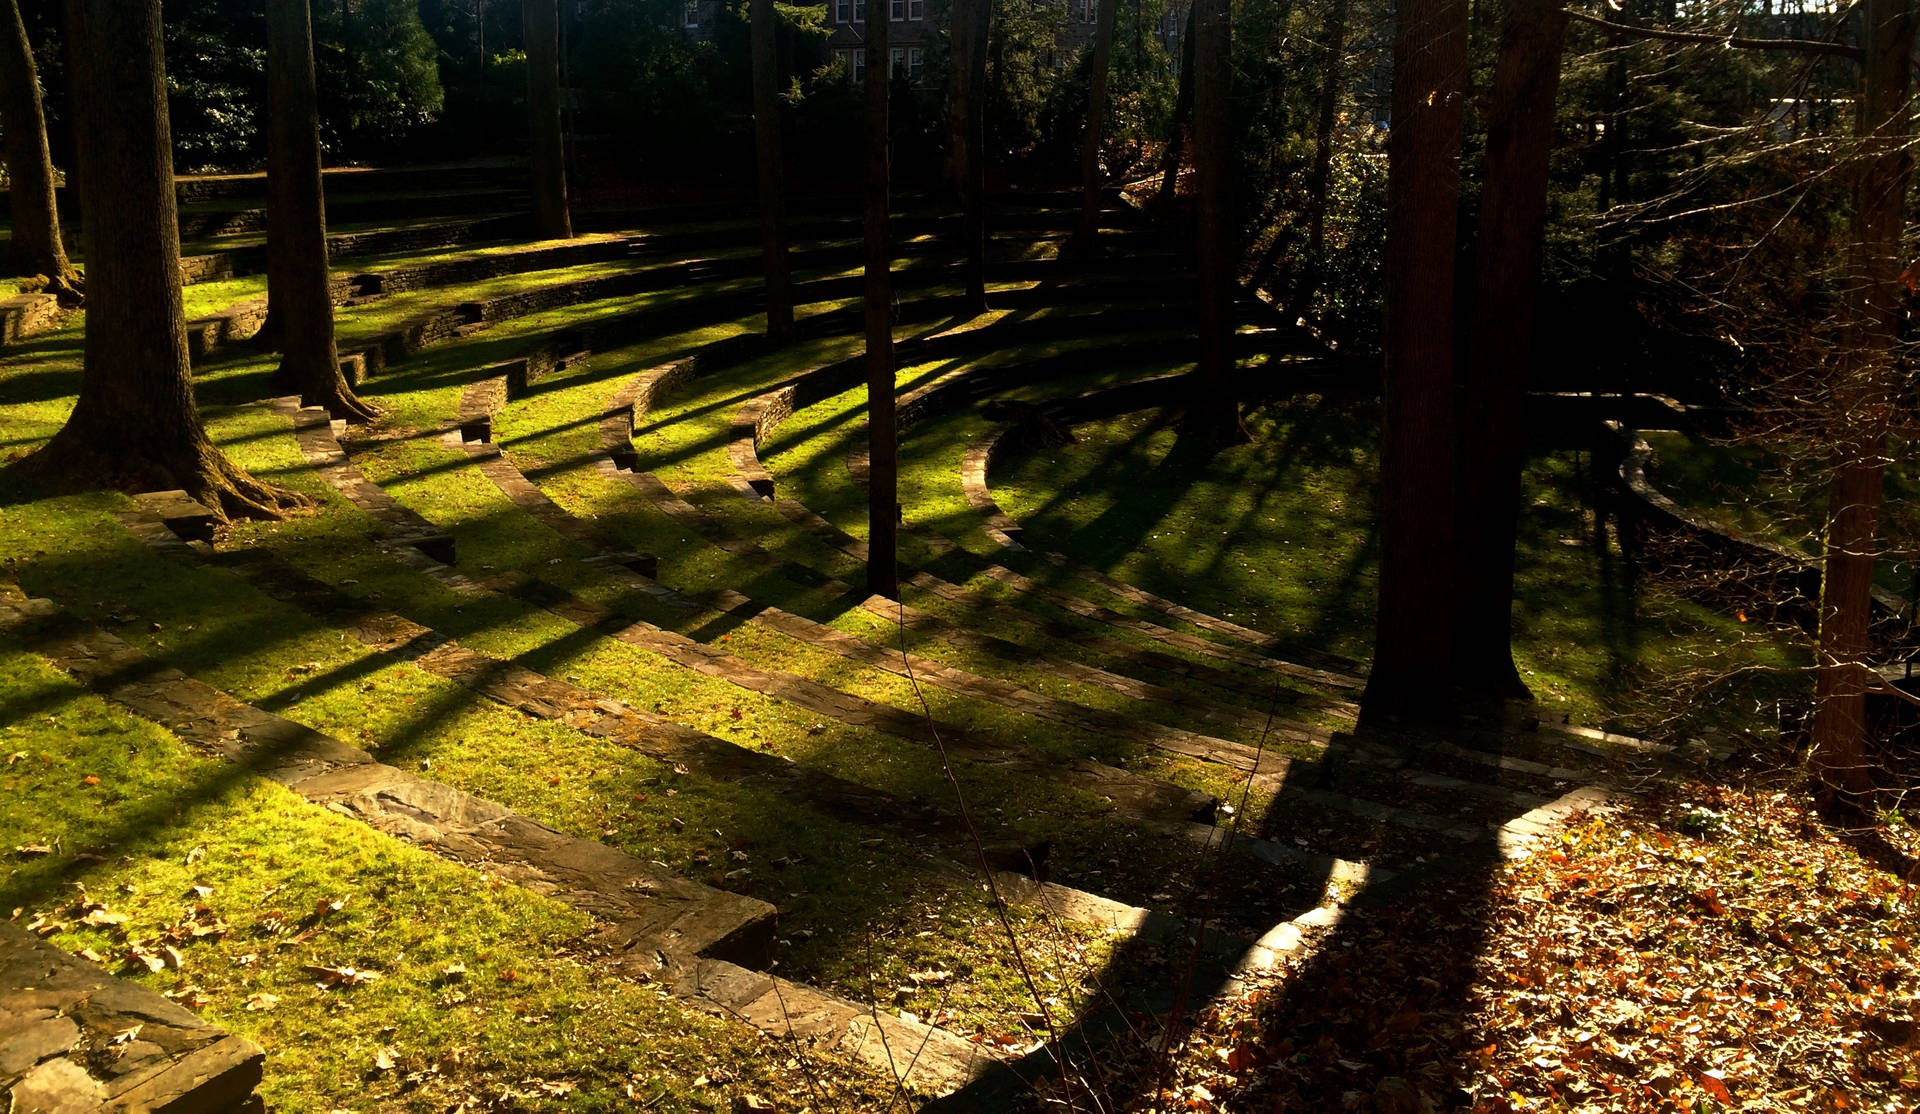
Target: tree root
x,y
74,462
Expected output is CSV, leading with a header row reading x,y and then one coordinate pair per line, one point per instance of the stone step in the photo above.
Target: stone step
x,y
64,1044
180,513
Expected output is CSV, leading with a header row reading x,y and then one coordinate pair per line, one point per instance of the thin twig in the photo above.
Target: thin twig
x,y
986,868
1737,42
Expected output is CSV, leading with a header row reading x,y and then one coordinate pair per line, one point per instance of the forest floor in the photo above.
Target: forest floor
x,y
1700,944
1708,948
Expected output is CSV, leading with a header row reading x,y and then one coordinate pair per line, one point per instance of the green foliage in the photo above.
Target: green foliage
x,y
378,74
216,82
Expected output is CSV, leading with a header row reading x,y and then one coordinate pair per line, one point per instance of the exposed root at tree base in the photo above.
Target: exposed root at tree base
x,y
70,463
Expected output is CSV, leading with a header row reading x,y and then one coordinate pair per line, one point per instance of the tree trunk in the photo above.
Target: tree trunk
x,y
309,362
960,89
1322,172
1090,179
1182,110
1215,413
540,26
37,250
1862,400
973,189
773,196
883,500
1412,646
1512,230
135,426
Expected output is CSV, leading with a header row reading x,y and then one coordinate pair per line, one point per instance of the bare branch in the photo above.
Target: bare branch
x,y
1805,46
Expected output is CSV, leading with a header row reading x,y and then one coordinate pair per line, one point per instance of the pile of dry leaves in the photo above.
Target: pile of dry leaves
x,y
1706,949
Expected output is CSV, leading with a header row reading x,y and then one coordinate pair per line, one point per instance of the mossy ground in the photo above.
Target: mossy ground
x,y
1275,536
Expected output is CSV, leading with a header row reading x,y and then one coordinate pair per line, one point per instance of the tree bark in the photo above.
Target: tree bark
x,y
1863,402
1182,110
883,500
1215,413
37,248
1512,233
1322,172
767,157
1412,646
540,26
973,188
960,89
135,426
297,233
1090,177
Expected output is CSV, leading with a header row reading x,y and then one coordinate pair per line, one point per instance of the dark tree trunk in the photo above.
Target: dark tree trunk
x,y
135,426
883,499
1412,646
1090,179
1863,402
773,196
1322,172
297,243
1215,413
960,89
1512,228
37,250
973,187
540,26
1182,112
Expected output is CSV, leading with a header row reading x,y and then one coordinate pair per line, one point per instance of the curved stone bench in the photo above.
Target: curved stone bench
x,y
1775,571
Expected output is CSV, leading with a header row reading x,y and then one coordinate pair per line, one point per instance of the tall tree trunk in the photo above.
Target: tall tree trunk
x,y
1096,125
1182,111
767,157
1862,401
37,249
1317,180
297,244
540,26
961,90
1411,643
1215,413
973,189
1512,230
883,499
135,426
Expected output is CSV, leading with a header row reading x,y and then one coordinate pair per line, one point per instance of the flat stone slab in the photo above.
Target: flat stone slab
x,y
75,1038
180,512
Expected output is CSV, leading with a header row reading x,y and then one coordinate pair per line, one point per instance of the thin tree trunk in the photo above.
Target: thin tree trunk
x,y
540,26
1215,413
1090,178
1512,228
37,249
309,362
135,426
973,191
1322,173
767,157
1862,399
1412,646
1182,111
883,500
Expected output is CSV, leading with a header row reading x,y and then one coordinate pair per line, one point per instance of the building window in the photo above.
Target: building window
x,y
896,60
856,62
1083,10
916,61
691,16
859,11
916,9
897,10
842,11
